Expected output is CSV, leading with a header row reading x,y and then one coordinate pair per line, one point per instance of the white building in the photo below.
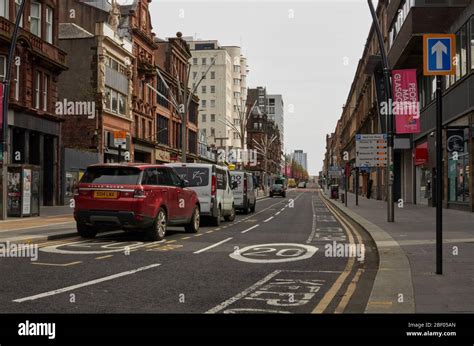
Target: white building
x,y
300,157
275,110
223,90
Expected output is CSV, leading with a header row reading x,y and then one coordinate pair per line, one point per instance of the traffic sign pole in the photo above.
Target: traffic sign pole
x,y
438,55
439,176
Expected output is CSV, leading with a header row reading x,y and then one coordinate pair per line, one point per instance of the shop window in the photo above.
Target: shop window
x,y
458,166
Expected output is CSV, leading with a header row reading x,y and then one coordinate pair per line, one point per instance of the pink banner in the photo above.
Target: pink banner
x,y
406,109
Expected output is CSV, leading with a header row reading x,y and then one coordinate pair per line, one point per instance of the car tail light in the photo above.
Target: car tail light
x,y
140,193
214,185
81,192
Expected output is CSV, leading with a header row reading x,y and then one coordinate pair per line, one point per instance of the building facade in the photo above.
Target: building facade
x,y
172,58
403,23
276,112
98,85
301,158
34,129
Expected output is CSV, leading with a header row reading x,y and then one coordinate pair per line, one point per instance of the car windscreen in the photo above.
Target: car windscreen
x,y
278,186
111,175
278,182
196,176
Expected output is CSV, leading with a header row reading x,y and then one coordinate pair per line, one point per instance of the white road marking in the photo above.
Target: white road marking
x,y
281,252
277,213
213,245
243,293
88,283
268,219
249,229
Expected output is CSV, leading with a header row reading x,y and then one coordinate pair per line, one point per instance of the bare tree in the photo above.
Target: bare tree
x,y
263,146
182,100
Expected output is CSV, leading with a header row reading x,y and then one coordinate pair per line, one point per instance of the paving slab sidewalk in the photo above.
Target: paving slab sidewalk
x,y
414,232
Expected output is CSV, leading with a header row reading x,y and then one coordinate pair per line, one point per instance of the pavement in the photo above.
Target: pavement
x,y
290,256
408,259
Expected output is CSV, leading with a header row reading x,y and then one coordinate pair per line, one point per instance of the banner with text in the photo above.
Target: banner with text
x,y
406,108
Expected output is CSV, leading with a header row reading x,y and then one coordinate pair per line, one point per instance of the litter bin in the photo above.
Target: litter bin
x,y
334,191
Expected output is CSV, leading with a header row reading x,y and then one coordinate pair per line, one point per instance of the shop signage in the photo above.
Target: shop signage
x,y
120,139
405,101
371,150
161,155
455,141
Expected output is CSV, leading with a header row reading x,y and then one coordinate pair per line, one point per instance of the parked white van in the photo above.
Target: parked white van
x,y
245,199
213,186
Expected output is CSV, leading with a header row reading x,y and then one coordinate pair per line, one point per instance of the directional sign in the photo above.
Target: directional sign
x,y
371,150
439,51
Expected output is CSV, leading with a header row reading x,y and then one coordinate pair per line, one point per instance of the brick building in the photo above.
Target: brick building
x,y
34,133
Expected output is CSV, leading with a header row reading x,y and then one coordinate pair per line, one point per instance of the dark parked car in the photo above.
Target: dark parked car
x,y
278,189
141,197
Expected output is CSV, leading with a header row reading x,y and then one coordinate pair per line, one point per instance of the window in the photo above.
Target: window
x,y
236,135
150,130
108,94
213,118
195,61
213,75
203,75
3,66
17,83
204,61
237,68
143,128
114,101
37,90
192,142
49,25
203,103
194,75
203,118
213,89
213,131
236,81
17,9
203,89
122,104
472,43
236,95
4,8
136,126
45,92
237,122
35,15
213,103
162,130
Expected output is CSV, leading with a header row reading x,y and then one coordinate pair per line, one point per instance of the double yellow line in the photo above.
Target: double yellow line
x,y
351,232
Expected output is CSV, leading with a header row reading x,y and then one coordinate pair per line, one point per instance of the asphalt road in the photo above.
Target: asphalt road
x,y
286,258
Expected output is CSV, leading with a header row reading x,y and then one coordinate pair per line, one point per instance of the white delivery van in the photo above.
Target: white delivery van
x,y
213,186
244,194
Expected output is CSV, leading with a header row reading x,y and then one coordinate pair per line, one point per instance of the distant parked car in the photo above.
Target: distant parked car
x,y
291,183
134,197
244,193
302,184
278,189
213,186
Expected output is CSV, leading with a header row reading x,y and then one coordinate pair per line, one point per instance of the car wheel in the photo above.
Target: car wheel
x,y
158,230
247,207
216,220
86,231
193,225
231,216
252,208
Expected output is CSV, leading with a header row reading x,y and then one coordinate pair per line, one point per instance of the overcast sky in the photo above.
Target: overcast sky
x,y
305,50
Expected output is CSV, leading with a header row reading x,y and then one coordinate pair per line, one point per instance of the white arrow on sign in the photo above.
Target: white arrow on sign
x,y
439,49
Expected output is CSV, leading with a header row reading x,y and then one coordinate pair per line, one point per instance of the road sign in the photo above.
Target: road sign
x,y
334,171
371,150
120,138
439,51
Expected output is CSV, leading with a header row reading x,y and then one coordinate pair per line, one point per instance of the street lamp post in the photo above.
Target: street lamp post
x,y
6,95
390,134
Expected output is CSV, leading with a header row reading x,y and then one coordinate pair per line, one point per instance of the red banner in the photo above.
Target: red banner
x,y
405,106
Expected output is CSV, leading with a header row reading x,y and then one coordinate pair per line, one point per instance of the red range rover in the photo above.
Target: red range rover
x,y
134,196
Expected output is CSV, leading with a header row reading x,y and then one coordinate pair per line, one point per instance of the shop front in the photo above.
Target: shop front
x,y
423,174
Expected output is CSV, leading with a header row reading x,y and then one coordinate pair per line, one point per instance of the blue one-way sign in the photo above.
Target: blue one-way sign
x,y
438,54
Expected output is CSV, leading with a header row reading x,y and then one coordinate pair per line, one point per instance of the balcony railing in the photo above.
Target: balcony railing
x,y
40,46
